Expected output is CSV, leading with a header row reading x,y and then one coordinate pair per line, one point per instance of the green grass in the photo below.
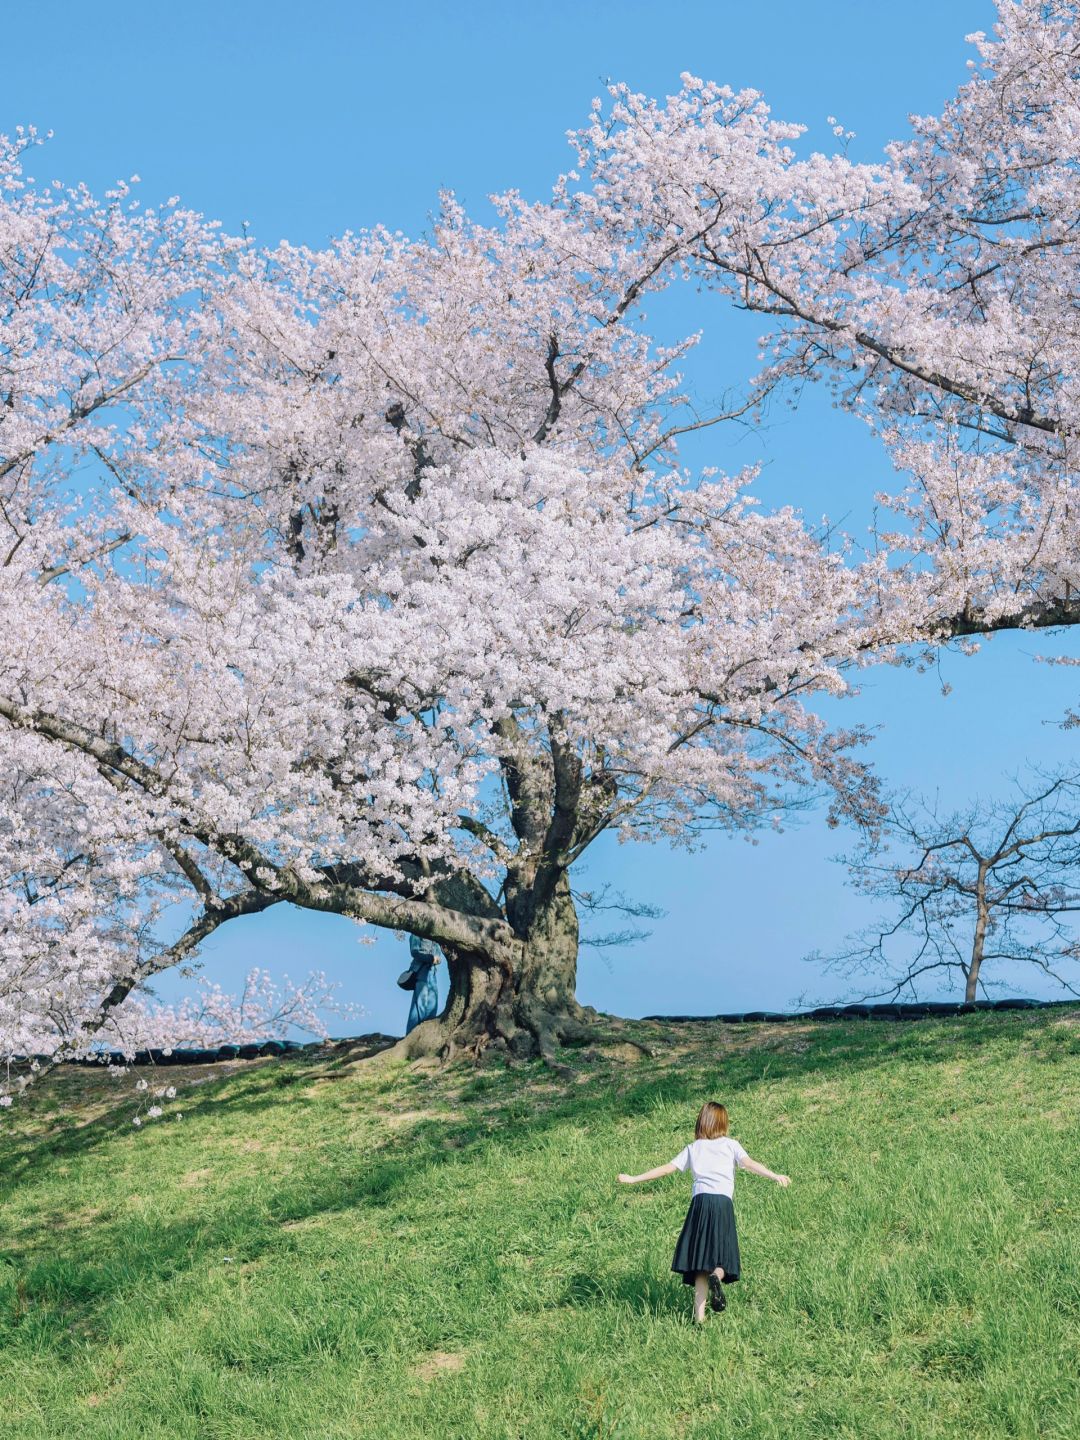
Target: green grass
x,y
324,1249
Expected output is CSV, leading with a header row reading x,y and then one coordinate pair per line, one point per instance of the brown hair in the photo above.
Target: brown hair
x,y
711,1122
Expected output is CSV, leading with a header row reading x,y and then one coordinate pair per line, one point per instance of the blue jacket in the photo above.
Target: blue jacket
x,y
423,949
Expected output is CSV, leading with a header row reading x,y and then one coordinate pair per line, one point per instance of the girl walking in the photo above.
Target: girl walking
x,y
707,1254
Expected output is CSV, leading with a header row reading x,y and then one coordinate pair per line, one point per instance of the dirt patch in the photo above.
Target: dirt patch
x,y
306,1222
86,1215
439,1362
701,1040
195,1177
251,1146
625,1051
404,1119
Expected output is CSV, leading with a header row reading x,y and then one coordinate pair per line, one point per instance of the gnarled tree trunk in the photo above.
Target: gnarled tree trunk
x,y
526,1003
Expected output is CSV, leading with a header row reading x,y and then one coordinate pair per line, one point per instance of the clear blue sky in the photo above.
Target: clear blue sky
x,y
306,120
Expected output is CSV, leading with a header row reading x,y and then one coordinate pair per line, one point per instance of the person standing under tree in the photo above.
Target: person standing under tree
x,y
424,955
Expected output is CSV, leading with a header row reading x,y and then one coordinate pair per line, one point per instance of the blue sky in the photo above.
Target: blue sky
x,y
308,120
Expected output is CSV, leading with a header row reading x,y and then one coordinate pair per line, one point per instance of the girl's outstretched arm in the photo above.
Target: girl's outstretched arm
x,y
649,1174
757,1169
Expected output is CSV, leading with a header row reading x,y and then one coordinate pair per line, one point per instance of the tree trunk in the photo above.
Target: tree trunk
x,y
971,987
978,946
525,1005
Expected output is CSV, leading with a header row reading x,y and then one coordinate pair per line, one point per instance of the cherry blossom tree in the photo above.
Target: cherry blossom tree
x,y
369,579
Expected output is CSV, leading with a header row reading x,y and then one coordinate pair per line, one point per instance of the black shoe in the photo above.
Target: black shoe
x,y
717,1298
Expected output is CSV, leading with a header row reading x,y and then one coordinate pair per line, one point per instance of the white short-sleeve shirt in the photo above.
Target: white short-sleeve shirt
x,y
713,1164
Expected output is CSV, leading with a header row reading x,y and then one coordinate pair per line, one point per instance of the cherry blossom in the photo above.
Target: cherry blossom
x,y
370,579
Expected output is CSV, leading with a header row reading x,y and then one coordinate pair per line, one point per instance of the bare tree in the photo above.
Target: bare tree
x,y
993,883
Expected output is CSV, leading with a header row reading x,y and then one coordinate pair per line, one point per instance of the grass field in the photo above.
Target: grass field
x,y
328,1247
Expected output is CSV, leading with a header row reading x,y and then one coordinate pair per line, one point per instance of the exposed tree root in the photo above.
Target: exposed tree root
x,y
646,1050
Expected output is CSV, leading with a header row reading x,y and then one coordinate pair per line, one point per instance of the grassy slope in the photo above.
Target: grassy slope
x,y
324,1250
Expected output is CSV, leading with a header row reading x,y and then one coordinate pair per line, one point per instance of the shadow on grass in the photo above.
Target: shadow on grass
x,y
248,1085
644,1292
90,1264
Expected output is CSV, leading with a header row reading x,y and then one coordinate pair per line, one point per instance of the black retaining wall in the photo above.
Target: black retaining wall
x,y
248,1051
906,1010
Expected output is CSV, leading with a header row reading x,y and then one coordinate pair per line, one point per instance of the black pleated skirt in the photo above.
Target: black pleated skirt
x,y
708,1239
